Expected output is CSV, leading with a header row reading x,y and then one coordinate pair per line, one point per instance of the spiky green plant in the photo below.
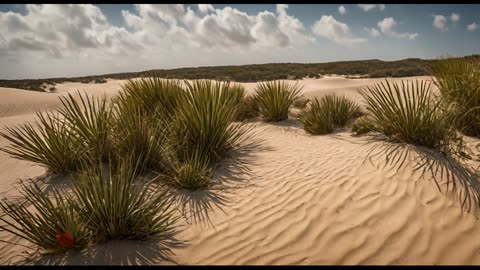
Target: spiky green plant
x,y
117,207
48,143
409,112
275,97
324,115
151,95
146,139
301,103
89,122
192,173
41,219
246,106
205,118
459,83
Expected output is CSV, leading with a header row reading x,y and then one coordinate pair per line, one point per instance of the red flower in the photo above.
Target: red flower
x,y
65,240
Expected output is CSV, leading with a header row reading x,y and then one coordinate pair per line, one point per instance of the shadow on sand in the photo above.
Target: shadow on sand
x,y
460,178
115,252
232,173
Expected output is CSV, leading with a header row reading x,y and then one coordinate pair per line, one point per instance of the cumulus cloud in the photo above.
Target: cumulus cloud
x,y
335,31
440,22
342,10
158,33
368,7
472,27
387,26
372,31
454,17
205,8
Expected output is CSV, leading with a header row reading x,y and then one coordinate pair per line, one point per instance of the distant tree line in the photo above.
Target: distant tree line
x,y
254,73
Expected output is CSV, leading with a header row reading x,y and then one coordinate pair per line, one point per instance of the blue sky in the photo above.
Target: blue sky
x,y
38,41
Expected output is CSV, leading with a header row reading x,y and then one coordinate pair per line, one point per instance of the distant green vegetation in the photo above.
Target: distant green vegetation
x,y
262,72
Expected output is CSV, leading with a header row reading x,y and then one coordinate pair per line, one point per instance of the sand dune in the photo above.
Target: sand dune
x,y
298,199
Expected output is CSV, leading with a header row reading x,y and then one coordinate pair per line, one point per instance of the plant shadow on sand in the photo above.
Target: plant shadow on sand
x,y
115,252
462,181
233,173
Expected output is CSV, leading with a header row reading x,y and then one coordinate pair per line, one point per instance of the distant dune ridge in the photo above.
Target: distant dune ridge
x,y
300,199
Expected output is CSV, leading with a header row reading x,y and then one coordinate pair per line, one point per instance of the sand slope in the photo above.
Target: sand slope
x,y
297,199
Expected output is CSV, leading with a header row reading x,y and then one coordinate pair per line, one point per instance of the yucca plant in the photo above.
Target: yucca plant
x,y
115,206
148,140
49,143
50,222
247,108
409,112
324,115
151,95
204,120
459,83
301,103
88,122
275,97
192,172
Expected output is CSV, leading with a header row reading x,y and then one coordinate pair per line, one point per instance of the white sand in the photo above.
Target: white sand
x,y
300,199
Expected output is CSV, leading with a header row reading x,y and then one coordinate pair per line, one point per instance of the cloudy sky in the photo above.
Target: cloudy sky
x,y
40,41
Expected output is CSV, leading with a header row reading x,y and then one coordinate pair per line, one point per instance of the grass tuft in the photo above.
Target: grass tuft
x,y
324,115
274,99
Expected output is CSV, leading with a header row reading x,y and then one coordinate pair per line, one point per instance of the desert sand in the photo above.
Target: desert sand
x,y
295,199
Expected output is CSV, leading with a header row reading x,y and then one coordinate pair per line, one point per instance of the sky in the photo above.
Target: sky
x,y
67,40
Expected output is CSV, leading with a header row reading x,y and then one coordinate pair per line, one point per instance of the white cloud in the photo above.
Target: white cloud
x,y
372,31
335,31
154,36
342,10
387,26
472,27
368,7
454,17
440,22
205,8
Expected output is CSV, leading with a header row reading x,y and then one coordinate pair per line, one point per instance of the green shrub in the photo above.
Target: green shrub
x,y
46,221
409,112
89,122
246,106
274,99
301,103
48,143
145,139
150,95
459,83
192,173
115,207
204,120
324,115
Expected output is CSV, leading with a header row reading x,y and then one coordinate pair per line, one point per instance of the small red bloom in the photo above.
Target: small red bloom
x,y
65,240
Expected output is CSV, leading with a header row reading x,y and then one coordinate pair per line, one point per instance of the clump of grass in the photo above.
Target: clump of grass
x,y
151,95
115,207
192,173
274,99
49,143
301,103
51,222
324,115
78,131
89,122
204,120
247,108
459,83
146,139
409,112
